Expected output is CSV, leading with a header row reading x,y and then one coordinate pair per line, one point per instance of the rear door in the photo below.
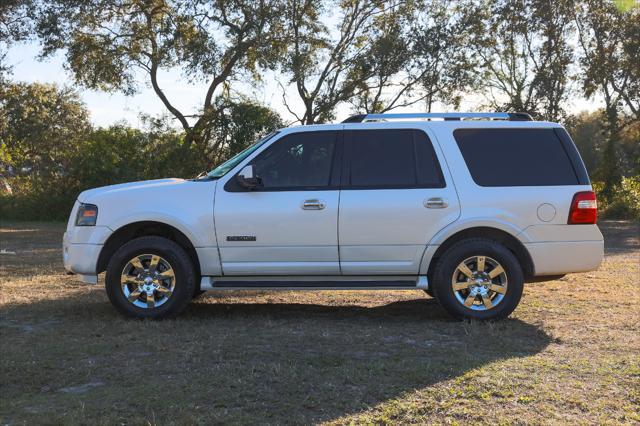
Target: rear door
x,y
288,226
396,194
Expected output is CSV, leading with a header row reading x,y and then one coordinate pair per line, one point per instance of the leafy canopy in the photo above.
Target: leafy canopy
x,y
114,46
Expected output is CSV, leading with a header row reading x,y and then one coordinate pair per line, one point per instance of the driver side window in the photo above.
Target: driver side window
x,y
300,160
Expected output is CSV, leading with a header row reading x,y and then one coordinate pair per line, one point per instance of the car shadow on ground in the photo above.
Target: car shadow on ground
x,y
236,362
214,304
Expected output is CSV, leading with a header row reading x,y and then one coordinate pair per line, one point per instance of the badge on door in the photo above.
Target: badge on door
x,y
241,238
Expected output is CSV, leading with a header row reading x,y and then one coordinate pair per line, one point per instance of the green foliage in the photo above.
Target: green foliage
x,y
121,154
49,153
525,55
238,124
350,62
40,125
15,25
375,55
609,38
445,70
103,157
109,45
610,41
623,202
590,134
621,199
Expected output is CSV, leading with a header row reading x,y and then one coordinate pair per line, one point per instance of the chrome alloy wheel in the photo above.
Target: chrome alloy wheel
x,y
147,281
479,283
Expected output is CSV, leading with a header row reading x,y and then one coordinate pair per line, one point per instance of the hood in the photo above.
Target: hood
x,y
92,195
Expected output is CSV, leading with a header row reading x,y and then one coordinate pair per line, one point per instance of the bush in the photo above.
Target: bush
x,y
49,151
105,157
624,201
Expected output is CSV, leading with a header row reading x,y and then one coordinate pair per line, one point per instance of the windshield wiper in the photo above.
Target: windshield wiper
x,y
204,176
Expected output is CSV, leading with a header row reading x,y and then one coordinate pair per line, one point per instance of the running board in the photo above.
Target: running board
x,y
313,283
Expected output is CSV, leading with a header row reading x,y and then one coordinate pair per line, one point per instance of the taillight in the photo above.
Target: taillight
x,y
584,208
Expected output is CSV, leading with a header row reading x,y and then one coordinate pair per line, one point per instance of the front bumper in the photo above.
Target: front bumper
x,y
81,247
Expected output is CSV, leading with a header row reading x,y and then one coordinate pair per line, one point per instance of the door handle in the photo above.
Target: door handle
x,y
436,203
313,204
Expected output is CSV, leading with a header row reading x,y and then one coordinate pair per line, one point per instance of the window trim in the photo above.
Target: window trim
x,y
348,155
563,146
334,175
574,156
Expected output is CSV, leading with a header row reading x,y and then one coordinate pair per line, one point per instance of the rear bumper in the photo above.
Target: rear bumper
x,y
563,257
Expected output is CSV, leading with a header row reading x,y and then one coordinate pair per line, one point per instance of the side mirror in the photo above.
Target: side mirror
x,y
247,177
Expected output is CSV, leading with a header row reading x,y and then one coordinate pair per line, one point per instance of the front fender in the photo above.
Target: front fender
x,y
150,216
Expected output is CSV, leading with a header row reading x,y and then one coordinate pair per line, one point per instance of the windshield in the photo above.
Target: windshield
x,y
224,168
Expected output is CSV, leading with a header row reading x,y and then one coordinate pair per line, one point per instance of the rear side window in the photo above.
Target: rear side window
x,y
519,157
402,158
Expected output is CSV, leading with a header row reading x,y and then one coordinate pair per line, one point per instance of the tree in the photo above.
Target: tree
x,y
419,54
15,25
609,40
382,76
443,63
587,130
240,123
525,55
113,45
326,66
40,125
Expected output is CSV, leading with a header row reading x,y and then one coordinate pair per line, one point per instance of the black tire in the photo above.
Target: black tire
x,y
449,261
197,293
429,291
185,279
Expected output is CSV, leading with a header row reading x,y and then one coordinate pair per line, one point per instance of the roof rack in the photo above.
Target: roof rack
x,y
447,116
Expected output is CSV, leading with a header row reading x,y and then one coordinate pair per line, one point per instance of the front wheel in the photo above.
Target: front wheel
x,y
478,279
150,277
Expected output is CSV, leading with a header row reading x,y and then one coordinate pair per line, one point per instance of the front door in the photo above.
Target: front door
x,y
289,224
395,198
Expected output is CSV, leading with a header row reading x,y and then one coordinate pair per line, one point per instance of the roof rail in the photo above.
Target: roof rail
x,y
509,116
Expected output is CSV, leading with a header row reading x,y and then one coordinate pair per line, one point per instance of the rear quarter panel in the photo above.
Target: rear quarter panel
x,y
522,211
517,206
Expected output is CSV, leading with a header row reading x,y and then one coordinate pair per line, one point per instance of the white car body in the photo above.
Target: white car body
x,y
380,234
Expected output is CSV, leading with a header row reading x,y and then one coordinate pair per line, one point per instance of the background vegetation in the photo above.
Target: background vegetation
x,y
534,56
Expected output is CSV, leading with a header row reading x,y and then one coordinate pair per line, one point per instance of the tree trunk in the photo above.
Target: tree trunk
x,y
609,170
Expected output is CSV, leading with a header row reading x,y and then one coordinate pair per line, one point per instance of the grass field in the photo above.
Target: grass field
x,y
569,353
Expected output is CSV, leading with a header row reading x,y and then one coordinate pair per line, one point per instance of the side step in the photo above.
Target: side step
x,y
347,283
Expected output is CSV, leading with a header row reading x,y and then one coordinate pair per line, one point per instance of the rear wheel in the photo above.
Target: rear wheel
x,y
478,279
150,277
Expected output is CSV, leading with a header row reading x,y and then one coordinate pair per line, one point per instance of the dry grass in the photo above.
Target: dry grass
x,y
568,354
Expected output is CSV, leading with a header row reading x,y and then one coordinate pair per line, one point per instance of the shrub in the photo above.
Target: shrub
x,y
624,201
105,157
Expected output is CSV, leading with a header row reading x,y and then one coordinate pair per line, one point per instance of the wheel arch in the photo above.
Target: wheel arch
x,y
503,237
134,230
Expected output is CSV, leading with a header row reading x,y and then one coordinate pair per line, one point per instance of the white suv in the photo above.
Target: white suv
x,y
465,206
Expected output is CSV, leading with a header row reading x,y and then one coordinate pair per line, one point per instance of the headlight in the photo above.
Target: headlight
x,y
87,215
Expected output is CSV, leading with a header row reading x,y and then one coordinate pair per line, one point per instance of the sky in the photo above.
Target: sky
x,y
107,109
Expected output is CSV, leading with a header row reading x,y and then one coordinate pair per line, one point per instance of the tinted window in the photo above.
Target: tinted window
x,y
393,158
515,157
300,160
